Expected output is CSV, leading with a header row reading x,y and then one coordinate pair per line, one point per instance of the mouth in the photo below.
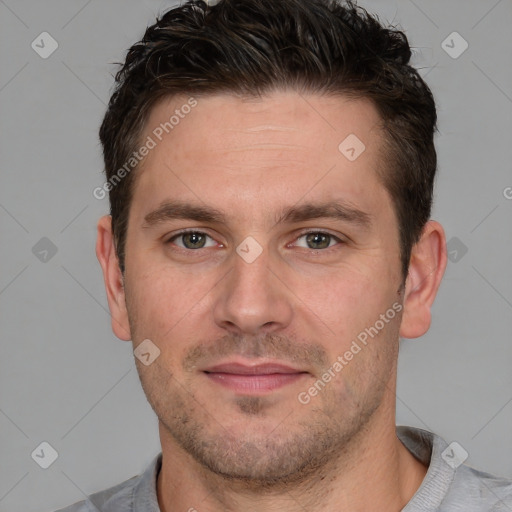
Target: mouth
x,y
253,379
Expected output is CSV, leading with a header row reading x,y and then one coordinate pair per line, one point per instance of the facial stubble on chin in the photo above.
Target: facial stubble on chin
x,y
298,448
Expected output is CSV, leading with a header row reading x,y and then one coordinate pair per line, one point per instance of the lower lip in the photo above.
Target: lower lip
x,y
254,384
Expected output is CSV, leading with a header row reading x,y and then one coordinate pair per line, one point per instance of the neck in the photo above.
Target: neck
x,y
375,469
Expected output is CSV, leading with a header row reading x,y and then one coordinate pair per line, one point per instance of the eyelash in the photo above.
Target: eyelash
x,y
303,233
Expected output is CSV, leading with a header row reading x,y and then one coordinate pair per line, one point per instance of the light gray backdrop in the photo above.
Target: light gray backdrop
x,y
66,380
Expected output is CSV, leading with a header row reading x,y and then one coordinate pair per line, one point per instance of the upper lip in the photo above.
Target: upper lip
x,y
257,369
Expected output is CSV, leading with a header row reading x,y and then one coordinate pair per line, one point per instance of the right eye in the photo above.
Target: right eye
x,y
190,239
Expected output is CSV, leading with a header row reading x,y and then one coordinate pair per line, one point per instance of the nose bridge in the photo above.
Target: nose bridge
x,y
252,298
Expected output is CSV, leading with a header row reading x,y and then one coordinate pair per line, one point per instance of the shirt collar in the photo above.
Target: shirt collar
x,y
144,493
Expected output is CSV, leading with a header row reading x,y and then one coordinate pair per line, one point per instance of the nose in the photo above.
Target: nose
x,y
253,298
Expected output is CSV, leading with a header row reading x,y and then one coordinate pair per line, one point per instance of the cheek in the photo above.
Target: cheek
x,y
154,302
347,301
164,303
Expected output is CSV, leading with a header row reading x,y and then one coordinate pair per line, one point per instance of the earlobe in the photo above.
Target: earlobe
x,y
113,278
426,269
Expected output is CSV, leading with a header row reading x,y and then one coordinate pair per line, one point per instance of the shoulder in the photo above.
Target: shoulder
x,y
472,486
450,484
133,495
118,496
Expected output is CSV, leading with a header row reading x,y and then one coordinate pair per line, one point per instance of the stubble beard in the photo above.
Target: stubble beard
x,y
307,441
299,449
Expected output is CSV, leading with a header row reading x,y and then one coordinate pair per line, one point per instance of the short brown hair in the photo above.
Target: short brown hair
x,y
251,47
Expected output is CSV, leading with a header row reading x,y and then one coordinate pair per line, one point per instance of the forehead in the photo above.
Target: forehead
x,y
285,143
248,119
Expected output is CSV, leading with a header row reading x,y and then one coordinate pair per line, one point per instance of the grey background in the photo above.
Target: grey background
x,y
65,378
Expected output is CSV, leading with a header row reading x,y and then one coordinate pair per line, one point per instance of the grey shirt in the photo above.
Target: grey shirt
x,y
448,485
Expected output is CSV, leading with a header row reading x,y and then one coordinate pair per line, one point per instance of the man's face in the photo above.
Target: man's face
x,y
242,334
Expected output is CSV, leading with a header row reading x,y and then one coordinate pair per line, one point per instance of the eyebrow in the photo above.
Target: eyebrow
x,y
338,210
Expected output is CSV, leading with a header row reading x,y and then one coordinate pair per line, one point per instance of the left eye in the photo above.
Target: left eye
x,y
318,239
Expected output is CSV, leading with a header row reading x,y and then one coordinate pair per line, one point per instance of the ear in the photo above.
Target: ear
x,y
106,254
426,269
